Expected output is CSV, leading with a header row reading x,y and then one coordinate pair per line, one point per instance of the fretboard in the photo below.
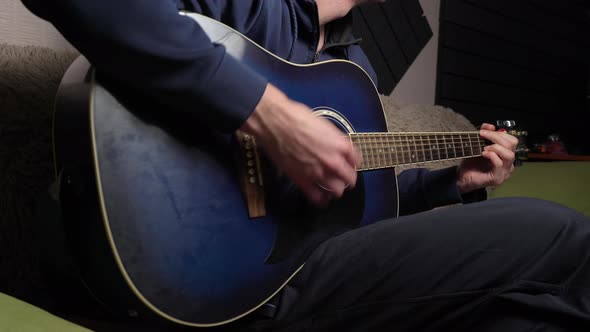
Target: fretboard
x,y
384,150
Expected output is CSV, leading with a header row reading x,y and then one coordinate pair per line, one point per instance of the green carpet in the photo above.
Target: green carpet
x,y
566,182
19,316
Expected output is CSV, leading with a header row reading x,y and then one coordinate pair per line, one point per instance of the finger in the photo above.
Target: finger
x,y
503,138
514,140
488,126
497,137
345,168
357,158
316,195
504,153
334,186
353,155
338,170
493,158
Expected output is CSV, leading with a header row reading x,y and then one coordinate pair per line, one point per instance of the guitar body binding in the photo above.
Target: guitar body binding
x,y
153,208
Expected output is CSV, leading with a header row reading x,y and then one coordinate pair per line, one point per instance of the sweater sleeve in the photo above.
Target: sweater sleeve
x,y
421,189
146,46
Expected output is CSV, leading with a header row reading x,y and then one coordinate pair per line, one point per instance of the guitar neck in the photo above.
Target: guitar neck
x,y
385,150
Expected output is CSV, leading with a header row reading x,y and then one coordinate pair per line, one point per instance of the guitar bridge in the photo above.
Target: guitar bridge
x,y
250,175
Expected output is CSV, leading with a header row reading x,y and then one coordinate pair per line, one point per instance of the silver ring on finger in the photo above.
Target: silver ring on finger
x,y
328,189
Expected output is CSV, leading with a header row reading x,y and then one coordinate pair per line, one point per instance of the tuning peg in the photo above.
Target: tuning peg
x,y
521,150
505,124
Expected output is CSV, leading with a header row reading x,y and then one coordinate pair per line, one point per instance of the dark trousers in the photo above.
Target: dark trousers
x,y
501,265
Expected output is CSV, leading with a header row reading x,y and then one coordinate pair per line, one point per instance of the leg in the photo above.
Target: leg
x,y
505,264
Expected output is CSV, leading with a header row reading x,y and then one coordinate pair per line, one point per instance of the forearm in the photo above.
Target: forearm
x,y
146,46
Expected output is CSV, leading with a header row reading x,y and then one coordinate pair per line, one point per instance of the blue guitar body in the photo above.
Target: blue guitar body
x,y
154,207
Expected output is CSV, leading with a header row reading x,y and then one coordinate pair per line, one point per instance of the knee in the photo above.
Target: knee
x,y
540,209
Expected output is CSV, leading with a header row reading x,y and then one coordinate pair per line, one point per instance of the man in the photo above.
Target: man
x,y
475,267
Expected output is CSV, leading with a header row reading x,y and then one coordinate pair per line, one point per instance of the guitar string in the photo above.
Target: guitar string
x,y
380,151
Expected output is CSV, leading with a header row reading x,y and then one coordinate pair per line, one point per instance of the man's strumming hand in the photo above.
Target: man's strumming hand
x,y
311,151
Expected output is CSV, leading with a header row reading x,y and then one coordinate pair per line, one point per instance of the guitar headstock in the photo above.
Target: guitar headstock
x,y
521,149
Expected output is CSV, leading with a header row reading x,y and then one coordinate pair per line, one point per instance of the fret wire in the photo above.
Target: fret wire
x,y
423,153
371,162
363,153
402,150
416,154
379,151
374,159
409,147
410,154
376,151
356,141
415,151
480,148
432,146
396,136
376,156
454,147
366,160
444,146
374,143
420,145
436,146
383,160
387,154
381,166
395,149
392,151
463,145
428,146
386,151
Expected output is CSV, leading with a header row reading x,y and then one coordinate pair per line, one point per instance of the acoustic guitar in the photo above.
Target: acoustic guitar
x,y
172,221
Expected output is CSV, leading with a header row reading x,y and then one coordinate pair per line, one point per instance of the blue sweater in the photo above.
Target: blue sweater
x,y
146,46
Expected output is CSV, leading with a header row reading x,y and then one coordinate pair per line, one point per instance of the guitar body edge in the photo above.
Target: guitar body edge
x,y
155,216
86,234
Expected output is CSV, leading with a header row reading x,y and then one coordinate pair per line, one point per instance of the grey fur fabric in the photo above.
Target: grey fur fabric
x,y
424,118
29,77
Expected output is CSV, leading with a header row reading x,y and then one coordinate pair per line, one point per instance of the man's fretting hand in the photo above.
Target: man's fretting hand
x,y
311,151
496,164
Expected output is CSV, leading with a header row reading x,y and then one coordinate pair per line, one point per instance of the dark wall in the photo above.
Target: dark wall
x,y
526,60
393,35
